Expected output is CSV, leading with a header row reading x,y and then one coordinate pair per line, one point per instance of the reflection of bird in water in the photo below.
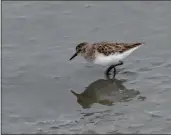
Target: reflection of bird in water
x,y
105,92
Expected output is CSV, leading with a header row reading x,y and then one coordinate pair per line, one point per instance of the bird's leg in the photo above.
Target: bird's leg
x,y
113,67
109,69
120,63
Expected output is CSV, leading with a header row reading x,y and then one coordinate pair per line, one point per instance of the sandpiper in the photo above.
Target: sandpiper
x,y
106,53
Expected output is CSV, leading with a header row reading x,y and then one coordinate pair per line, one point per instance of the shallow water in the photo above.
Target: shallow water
x,y
38,39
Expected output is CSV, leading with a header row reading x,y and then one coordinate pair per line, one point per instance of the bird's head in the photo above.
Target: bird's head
x,y
80,49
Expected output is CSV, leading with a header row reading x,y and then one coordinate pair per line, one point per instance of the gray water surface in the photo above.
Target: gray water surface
x,y
38,38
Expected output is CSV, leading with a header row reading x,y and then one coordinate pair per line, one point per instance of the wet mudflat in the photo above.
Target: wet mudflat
x,y
38,39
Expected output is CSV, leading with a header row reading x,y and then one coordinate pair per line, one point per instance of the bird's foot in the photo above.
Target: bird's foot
x,y
109,72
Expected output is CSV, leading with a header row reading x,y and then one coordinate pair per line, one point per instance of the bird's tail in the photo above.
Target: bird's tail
x,y
134,45
138,44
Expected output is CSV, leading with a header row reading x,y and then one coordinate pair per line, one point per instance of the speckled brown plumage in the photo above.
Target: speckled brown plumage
x,y
108,48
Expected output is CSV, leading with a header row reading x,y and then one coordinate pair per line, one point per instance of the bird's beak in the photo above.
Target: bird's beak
x,y
74,55
75,93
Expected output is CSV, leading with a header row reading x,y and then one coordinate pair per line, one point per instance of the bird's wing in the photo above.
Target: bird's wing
x,y
110,48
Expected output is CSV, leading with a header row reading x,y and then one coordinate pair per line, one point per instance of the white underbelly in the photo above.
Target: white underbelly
x,y
107,60
112,59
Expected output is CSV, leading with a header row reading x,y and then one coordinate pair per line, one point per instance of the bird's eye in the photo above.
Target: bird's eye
x,y
84,50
